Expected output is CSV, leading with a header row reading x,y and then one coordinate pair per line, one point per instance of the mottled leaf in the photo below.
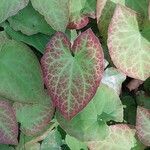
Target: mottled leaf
x,y
8,124
75,144
113,78
29,22
121,137
143,125
56,13
104,13
9,8
72,74
125,42
33,117
90,123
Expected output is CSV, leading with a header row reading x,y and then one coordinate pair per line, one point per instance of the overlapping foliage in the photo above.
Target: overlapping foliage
x,y
74,74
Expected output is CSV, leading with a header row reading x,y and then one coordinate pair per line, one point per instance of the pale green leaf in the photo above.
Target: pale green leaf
x,y
11,7
56,13
129,50
75,144
90,124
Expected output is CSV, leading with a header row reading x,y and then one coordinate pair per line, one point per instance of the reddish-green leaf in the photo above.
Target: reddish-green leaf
x,y
33,117
143,125
129,50
72,73
8,124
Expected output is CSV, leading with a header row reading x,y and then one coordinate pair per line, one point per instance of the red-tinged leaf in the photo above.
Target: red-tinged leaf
x,y
72,74
78,23
129,50
143,125
8,124
33,117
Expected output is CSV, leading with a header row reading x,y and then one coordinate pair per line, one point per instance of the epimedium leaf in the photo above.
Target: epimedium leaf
x,y
139,6
6,147
104,13
72,74
120,137
52,141
10,8
76,19
38,40
143,125
75,144
122,30
34,117
30,22
8,124
20,73
92,119
113,78
56,13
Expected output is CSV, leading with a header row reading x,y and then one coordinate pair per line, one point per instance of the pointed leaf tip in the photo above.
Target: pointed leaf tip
x,y
72,74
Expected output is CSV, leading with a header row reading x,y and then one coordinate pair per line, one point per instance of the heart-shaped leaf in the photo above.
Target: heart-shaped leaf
x,y
8,124
92,119
121,137
20,73
34,117
122,30
9,8
56,12
143,125
72,74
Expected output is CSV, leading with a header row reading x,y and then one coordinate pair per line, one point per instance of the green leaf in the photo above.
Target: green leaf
x,y
143,99
104,13
9,8
140,6
6,147
113,78
38,41
52,142
33,117
143,125
121,137
122,31
129,109
147,85
8,124
20,73
75,144
29,22
56,13
72,74
90,123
